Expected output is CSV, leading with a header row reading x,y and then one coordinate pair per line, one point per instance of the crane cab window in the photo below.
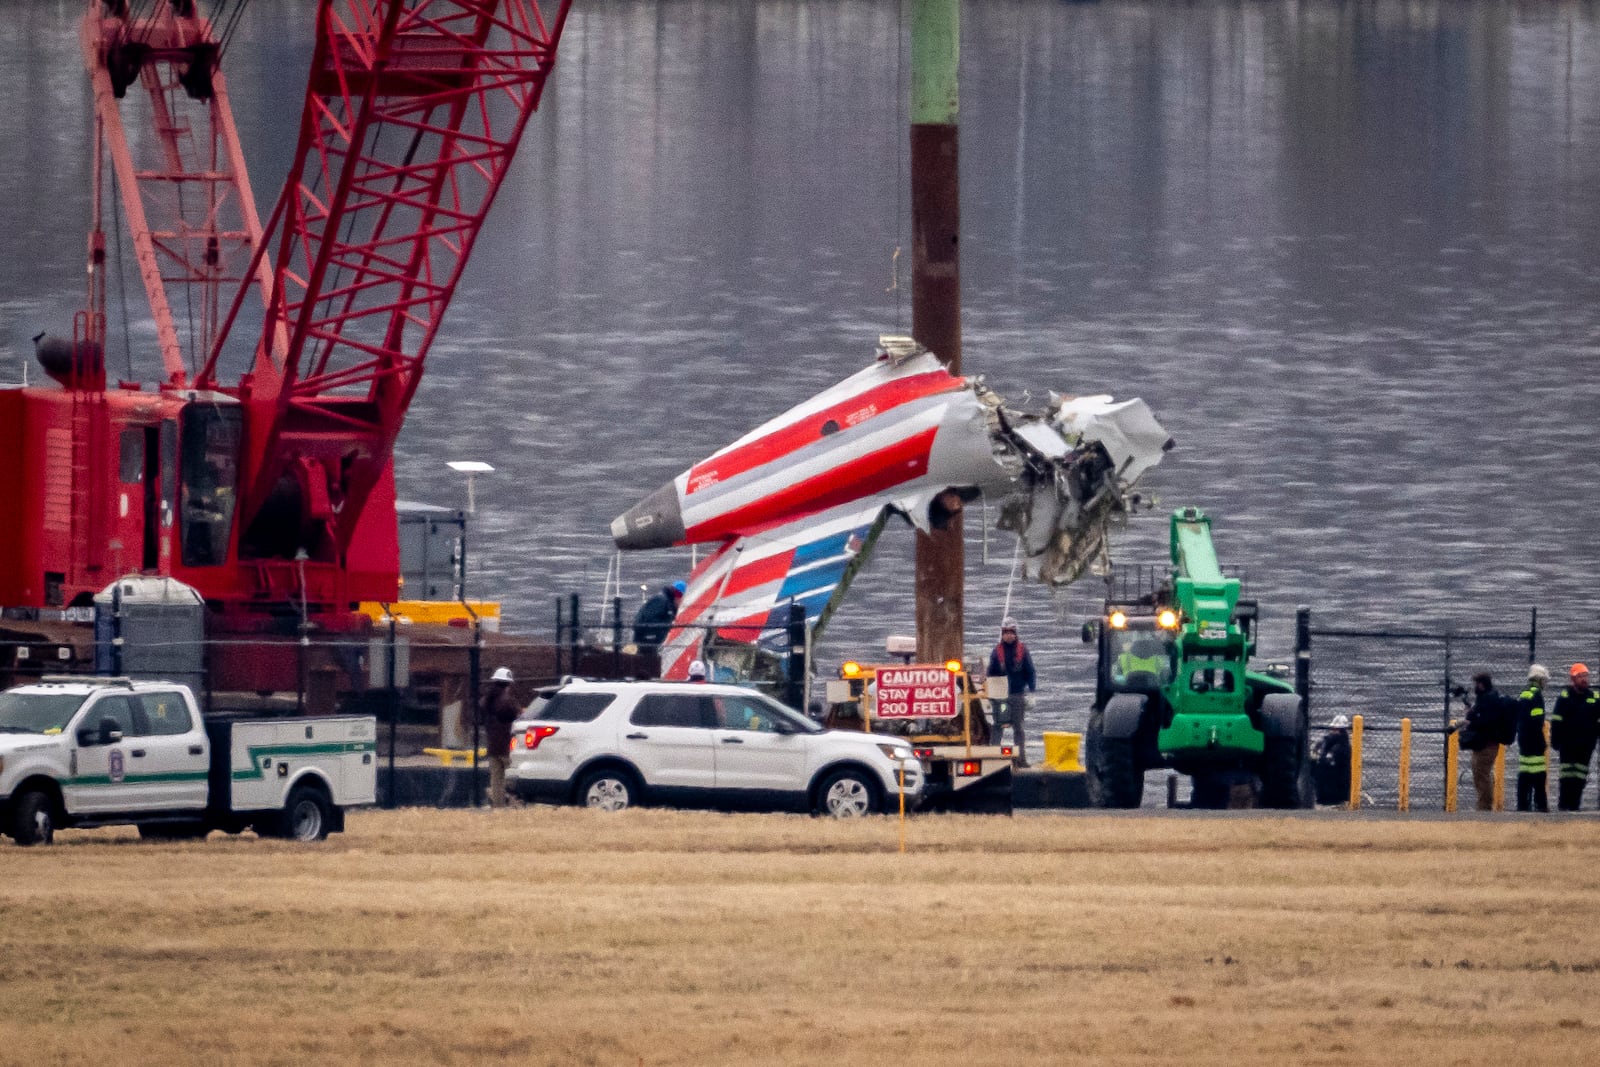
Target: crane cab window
x,y
211,440
131,457
1141,659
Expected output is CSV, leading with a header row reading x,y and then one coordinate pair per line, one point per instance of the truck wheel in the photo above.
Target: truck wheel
x,y
1286,774
306,814
33,818
608,789
846,794
1112,773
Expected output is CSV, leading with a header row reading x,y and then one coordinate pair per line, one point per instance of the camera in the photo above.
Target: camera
x,y
1459,692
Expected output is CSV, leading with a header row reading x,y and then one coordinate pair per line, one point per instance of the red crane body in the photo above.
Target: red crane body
x,y
276,487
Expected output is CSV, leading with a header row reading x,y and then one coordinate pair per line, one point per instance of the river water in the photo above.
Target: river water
x,y
1345,250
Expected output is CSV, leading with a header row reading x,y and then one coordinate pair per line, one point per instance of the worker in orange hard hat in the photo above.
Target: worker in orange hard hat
x,y
1574,727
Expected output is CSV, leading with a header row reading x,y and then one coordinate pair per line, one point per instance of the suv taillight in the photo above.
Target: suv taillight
x,y
536,734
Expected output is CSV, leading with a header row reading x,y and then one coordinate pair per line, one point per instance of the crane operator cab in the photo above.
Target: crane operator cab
x,y
1141,659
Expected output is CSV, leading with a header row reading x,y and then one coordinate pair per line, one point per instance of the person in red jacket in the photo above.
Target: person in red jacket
x,y
1010,659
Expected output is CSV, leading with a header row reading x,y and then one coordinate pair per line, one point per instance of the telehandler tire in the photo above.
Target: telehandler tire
x,y
1286,774
1113,776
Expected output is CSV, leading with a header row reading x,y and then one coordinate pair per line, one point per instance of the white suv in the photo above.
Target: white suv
x,y
612,745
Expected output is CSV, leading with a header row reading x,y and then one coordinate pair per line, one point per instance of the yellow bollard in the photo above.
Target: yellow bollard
x,y
1355,763
1552,784
1405,764
1452,769
1499,778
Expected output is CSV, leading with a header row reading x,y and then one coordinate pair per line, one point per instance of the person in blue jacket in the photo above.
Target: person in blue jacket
x,y
654,621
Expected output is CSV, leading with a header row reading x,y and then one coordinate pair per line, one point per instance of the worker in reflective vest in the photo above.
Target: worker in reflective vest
x,y
1531,766
1146,656
1574,726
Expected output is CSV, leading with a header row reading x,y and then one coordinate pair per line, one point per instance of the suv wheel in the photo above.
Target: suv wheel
x,y
847,794
608,789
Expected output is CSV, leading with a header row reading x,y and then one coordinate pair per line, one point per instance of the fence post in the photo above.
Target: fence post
x,y
1354,802
1452,769
616,637
394,710
1499,778
795,689
1405,764
1445,721
1533,635
561,633
474,668
1302,659
574,633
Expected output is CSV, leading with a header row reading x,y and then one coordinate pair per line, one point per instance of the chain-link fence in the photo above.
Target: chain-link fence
x,y
420,681
1389,675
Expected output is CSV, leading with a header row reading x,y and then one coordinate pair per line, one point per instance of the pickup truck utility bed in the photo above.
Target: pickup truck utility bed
x,y
84,752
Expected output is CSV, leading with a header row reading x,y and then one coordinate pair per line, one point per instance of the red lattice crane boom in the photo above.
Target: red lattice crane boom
x,y
260,471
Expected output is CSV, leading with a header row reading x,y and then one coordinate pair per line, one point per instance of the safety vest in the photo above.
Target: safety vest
x,y
1128,663
1532,764
1591,698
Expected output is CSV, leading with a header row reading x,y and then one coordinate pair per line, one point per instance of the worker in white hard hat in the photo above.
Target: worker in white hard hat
x,y
1330,771
697,671
497,710
1532,767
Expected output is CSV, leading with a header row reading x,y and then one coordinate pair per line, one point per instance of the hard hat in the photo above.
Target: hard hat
x,y
1538,673
697,669
680,588
502,674
1340,722
1577,669
1008,623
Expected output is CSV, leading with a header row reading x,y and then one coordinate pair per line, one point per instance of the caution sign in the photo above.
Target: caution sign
x,y
916,693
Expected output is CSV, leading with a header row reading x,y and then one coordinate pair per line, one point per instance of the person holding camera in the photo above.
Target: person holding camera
x,y
1491,722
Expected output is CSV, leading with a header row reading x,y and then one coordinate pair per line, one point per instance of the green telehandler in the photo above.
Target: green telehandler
x,y
1175,688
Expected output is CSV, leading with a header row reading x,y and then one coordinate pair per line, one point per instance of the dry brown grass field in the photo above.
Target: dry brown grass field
x,y
553,936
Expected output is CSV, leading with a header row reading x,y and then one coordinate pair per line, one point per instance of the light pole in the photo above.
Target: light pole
x,y
471,468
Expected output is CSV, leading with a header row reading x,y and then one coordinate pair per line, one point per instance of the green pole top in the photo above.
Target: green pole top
x,y
935,62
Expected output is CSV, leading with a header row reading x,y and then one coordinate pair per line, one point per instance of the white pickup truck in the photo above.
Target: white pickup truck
x,y
84,752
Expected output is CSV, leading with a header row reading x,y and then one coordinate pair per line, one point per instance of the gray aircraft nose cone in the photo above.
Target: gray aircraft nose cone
x,y
654,522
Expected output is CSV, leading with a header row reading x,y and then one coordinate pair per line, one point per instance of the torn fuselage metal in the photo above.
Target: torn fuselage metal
x,y
903,435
